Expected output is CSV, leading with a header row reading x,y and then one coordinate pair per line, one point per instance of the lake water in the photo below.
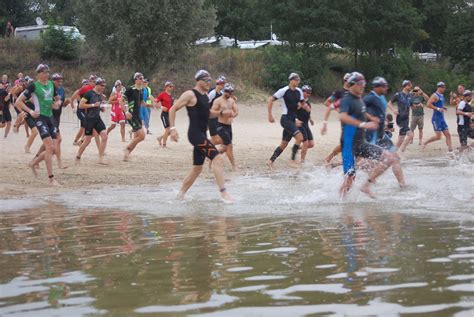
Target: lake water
x,y
288,247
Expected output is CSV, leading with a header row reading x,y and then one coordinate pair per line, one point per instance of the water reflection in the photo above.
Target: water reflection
x,y
121,263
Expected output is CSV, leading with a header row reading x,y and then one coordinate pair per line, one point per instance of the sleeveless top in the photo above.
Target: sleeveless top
x,y
199,114
439,104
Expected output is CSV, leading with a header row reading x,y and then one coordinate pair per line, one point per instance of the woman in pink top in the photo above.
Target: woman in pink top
x,y
116,113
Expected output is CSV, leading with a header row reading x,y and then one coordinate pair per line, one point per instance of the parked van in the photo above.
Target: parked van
x,y
33,32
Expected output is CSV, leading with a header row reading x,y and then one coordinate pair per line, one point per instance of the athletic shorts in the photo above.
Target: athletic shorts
x,y
225,133
135,123
117,116
7,116
202,147
439,124
213,123
463,131
92,124
81,115
1,116
289,127
307,134
47,127
165,118
417,121
403,124
30,121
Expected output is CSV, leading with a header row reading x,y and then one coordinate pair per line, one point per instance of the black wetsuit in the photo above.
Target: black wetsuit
x,y
93,120
134,97
198,121
304,117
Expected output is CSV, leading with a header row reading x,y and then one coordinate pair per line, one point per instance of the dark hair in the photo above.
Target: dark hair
x,y
389,117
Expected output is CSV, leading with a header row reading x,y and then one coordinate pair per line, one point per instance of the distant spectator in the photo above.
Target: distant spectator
x,y
9,30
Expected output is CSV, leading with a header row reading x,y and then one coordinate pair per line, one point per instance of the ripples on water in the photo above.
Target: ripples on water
x,y
289,247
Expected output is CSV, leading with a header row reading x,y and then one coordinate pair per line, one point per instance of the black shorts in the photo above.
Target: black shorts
x,y
7,116
213,124
202,147
135,123
47,127
57,116
289,127
165,118
92,124
225,133
30,121
81,115
1,116
403,122
463,131
369,151
307,134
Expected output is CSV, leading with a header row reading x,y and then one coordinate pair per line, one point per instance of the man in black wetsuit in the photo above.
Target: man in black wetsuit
x,y
292,98
133,99
213,122
196,102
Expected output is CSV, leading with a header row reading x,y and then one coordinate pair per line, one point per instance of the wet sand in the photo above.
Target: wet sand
x,y
255,140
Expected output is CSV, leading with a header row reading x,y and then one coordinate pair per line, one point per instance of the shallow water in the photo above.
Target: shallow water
x,y
288,247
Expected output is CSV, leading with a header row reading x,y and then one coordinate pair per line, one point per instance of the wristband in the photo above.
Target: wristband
x,y
362,124
172,128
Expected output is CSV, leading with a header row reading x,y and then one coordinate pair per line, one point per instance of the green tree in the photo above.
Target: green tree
x,y
55,43
17,12
143,33
459,41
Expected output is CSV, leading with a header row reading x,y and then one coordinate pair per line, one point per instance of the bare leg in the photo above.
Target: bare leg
x,y
79,136
420,131
97,140
103,145
112,126
47,156
448,140
31,138
434,138
333,154
165,136
122,131
298,140
27,130
84,145
138,137
304,150
401,138
189,180
7,128
218,169
230,155
387,159
346,185
59,139
408,140
398,172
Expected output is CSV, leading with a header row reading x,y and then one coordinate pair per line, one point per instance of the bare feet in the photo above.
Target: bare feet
x,y
102,161
33,169
180,196
77,143
366,189
54,182
423,146
293,164
159,139
27,149
270,164
126,155
61,165
226,198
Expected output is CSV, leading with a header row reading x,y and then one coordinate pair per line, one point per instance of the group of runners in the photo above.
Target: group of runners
x,y
366,126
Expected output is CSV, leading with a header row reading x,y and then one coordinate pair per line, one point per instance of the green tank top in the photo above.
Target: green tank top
x,y
45,97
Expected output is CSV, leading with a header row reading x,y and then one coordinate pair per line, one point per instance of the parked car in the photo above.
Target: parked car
x,y
33,32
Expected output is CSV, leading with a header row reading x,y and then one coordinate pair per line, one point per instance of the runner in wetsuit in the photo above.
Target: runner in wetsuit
x,y
5,100
132,101
116,113
465,114
333,103
92,102
376,105
196,102
226,107
292,98
403,99
165,100
436,102
29,120
44,96
353,119
213,122
304,115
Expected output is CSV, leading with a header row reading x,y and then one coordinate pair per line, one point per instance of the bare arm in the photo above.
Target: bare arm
x,y
20,104
235,109
183,101
216,108
347,119
270,101
431,102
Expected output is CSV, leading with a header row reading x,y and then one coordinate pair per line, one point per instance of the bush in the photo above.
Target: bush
x,y
56,43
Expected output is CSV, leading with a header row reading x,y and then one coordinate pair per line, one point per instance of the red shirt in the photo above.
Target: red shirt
x,y
166,101
85,89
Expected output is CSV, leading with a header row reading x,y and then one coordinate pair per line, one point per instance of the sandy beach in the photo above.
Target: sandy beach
x,y
254,138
